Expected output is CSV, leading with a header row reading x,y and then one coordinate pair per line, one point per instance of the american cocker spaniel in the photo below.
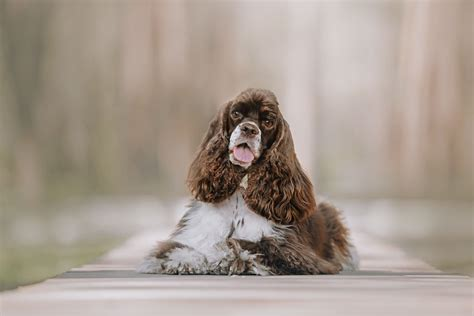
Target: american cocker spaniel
x,y
254,210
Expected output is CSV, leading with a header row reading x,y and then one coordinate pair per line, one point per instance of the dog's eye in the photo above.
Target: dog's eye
x,y
268,123
236,114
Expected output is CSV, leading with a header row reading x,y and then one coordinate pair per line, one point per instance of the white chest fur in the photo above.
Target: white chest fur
x,y
208,225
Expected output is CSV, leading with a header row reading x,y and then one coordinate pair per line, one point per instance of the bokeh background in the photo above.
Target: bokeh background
x,y
103,104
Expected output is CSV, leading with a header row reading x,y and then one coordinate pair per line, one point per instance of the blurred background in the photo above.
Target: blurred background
x,y
103,104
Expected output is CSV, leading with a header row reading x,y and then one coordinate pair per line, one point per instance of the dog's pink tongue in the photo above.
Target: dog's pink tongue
x,y
243,153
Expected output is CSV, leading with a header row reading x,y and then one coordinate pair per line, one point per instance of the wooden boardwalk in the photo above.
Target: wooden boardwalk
x,y
389,283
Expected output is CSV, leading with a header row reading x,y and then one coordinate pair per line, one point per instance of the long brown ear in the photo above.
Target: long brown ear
x,y
278,188
212,177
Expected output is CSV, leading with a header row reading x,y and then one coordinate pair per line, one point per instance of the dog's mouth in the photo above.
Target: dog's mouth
x,y
243,153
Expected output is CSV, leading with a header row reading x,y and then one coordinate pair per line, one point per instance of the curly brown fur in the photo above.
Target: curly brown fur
x,y
212,177
278,188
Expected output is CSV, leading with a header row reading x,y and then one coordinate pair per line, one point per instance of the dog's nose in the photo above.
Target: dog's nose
x,y
249,129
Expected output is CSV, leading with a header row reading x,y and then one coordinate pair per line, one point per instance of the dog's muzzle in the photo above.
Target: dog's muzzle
x,y
245,144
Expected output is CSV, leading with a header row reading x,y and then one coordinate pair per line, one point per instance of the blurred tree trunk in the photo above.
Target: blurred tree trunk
x,y
25,27
430,118
301,102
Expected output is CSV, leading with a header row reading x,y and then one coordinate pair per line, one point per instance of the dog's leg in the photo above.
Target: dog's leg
x,y
340,249
171,257
239,261
288,258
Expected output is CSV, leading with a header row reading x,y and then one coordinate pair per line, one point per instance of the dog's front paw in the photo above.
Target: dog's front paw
x,y
241,261
177,261
186,261
151,265
247,263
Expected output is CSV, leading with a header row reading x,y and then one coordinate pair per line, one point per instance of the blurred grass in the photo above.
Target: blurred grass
x,y
451,256
438,231
31,264
37,243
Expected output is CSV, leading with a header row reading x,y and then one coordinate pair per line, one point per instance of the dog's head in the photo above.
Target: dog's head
x,y
249,136
253,121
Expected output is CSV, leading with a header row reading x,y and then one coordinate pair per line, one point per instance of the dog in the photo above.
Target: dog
x,y
254,210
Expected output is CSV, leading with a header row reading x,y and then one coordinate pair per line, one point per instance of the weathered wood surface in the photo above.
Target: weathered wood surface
x,y
389,283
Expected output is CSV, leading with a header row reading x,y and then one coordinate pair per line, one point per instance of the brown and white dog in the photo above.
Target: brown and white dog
x,y
254,210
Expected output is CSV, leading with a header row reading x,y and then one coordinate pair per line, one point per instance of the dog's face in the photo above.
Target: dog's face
x,y
252,128
249,137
